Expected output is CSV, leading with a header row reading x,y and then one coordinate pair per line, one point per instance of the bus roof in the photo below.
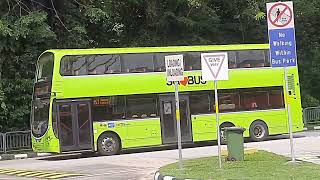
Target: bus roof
x,y
158,49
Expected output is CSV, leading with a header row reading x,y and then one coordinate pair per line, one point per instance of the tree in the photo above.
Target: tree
x,y
27,28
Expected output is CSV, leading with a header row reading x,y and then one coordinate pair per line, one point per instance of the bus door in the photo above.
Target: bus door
x,y
168,119
74,126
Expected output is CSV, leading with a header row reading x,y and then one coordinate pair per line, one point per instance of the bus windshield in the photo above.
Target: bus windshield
x,y
45,67
40,117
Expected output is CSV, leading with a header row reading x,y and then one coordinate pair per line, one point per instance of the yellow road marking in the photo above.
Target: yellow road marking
x,y
25,173
35,174
15,172
5,171
49,174
38,174
63,175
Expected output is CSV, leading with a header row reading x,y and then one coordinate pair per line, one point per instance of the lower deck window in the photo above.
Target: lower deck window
x,y
232,100
108,108
141,106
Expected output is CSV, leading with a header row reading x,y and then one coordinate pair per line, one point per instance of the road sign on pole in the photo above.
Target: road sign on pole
x,y
283,46
281,34
215,67
174,69
280,15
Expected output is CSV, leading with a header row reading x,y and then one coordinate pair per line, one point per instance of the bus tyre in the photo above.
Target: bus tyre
x,y
258,131
108,144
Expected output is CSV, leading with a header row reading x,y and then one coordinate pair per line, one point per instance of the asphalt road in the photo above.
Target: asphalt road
x,y
141,164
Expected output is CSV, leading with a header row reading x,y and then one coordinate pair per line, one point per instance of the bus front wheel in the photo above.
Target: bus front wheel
x,y
108,144
258,131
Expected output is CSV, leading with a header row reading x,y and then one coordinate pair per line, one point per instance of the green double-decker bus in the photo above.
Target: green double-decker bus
x,y
110,99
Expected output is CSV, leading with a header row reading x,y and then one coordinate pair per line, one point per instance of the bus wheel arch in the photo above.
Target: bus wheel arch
x,y
223,139
259,130
109,143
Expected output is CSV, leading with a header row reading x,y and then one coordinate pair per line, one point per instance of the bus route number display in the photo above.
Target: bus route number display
x,y
174,67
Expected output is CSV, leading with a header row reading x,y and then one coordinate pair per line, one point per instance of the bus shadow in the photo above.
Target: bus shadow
x,y
70,156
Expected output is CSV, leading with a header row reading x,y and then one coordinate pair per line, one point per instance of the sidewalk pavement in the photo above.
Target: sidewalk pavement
x,y
22,156
305,148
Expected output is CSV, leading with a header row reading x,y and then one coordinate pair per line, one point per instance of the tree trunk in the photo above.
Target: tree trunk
x,y
151,10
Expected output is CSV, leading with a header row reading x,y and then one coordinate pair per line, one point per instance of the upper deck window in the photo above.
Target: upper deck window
x,y
137,63
251,58
90,64
45,66
77,65
192,61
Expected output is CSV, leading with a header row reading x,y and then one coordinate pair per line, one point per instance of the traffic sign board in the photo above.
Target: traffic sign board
x,y
280,15
282,47
281,34
174,67
214,66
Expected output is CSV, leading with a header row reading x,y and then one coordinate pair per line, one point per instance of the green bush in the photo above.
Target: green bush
x,y
15,100
309,101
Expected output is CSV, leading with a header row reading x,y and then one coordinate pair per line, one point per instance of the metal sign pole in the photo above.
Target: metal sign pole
x,y
217,120
178,122
289,114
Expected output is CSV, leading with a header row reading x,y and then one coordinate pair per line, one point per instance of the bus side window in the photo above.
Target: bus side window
x,y
251,58
199,102
276,99
108,108
254,100
192,61
229,101
141,106
232,59
137,63
73,66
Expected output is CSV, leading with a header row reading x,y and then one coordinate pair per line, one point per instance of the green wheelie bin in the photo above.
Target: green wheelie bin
x,y
234,137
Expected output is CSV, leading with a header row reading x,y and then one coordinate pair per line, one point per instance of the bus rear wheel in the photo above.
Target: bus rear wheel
x,y
108,144
258,131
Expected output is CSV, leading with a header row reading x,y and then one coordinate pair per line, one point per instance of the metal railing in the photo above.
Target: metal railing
x,y
311,116
1,142
16,140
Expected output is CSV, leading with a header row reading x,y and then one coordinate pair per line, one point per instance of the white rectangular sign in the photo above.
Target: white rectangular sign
x,y
214,66
174,67
280,15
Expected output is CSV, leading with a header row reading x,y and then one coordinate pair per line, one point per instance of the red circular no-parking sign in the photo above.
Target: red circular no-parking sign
x,y
280,15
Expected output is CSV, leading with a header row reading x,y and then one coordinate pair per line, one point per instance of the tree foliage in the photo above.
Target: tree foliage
x,y
28,27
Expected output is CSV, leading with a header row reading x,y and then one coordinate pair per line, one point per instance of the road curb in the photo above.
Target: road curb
x,y
312,128
159,176
22,156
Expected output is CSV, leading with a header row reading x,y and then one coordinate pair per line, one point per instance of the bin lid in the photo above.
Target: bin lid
x,y
234,129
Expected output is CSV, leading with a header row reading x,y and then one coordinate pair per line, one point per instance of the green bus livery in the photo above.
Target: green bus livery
x,y
108,99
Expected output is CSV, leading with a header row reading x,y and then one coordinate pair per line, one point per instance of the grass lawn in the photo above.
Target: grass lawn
x,y
261,165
